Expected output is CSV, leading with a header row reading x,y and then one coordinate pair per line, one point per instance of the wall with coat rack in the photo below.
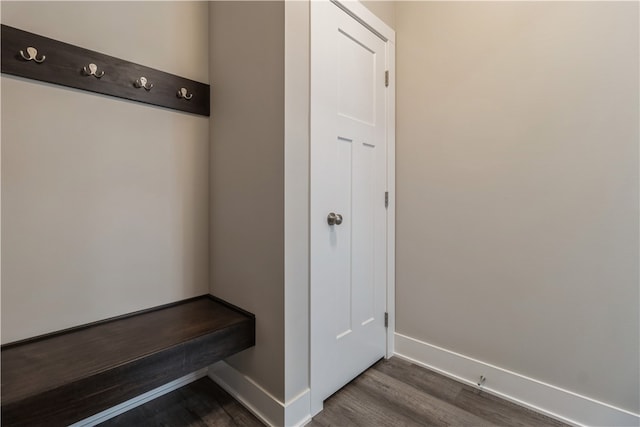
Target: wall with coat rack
x,y
37,57
105,201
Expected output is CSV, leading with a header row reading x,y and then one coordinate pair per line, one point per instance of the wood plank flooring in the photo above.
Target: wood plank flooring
x,y
391,393
199,404
395,393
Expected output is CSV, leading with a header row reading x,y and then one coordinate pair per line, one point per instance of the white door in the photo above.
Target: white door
x,y
348,179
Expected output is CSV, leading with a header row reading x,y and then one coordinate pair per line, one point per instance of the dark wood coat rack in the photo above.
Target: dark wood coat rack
x,y
36,57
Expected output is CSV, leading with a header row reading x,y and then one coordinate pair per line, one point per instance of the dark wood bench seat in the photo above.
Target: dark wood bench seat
x,y
64,377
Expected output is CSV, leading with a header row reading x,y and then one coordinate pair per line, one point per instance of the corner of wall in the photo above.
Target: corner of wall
x,y
297,33
247,187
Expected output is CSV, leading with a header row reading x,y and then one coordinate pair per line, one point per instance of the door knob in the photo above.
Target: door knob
x,y
334,219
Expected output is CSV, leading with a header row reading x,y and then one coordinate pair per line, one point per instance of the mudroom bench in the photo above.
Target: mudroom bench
x,y
63,377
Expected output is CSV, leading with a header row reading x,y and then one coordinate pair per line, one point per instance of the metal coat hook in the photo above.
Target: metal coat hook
x,y
184,93
92,70
142,82
32,55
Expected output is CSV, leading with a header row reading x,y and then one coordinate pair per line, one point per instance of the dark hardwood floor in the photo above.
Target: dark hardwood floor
x,y
395,392
391,393
199,404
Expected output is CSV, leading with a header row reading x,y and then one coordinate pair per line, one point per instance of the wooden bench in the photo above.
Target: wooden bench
x,y
66,376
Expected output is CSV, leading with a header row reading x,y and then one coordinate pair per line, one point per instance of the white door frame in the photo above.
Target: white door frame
x,y
363,15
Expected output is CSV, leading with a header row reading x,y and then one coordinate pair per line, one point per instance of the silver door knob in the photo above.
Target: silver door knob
x,y
334,219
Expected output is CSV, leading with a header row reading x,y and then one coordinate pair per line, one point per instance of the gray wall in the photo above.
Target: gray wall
x,y
383,9
247,176
104,202
517,188
296,199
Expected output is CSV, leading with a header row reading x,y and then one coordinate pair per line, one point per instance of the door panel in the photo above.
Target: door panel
x,y
356,74
340,258
348,176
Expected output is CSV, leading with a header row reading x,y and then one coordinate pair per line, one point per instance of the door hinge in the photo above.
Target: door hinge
x,y
386,320
386,199
386,78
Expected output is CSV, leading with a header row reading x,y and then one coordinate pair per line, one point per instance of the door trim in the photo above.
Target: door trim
x,y
360,13
391,188
364,16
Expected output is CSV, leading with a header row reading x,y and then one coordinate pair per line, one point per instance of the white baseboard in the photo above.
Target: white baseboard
x,y
140,400
541,397
270,410
298,410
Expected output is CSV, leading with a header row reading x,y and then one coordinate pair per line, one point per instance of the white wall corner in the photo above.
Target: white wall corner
x,y
545,398
270,410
